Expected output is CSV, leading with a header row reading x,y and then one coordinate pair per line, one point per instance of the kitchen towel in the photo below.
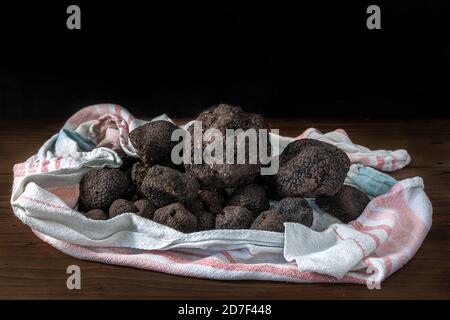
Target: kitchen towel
x,y
369,249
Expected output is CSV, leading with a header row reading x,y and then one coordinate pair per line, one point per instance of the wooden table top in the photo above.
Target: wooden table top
x,y
32,269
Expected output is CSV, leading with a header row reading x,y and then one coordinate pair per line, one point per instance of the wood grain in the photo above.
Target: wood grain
x,y
31,269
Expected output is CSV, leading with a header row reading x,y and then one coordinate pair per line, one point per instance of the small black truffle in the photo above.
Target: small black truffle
x,y
270,220
163,186
152,142
311,168
195,205
205,220
145,207
252,197
138,172
296,210
96,214
346,205
212,199
100,187
121,206
270,187
234,217
176,216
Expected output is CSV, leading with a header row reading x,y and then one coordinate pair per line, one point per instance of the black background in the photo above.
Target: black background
x,y
278,58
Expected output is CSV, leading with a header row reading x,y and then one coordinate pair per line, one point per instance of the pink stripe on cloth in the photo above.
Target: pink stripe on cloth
x,y
174,263
403,238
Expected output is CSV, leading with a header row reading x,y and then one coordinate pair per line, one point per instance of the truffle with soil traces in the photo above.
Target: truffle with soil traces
x,y
270,220
346,205
163,186
296,210
234,217
311,168
152,142
177,217
99,188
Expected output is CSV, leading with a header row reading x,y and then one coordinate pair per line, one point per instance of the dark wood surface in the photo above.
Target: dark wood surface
x,y
30,268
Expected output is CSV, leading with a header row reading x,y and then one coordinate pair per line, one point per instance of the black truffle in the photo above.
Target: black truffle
x,y
226,175
205,220
270,186
176,216
270,220
195,205
212,199
138,173
296,210
252,197
234,217
96,214
127,161
311,168
121,206
152,142
100,187
163,186
145,207
346,205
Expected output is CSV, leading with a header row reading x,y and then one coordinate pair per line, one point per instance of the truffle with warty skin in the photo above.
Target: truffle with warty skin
x,y
212,199
346,205
177,217
311,168
205,220
152,142
163,186
270,220
195,205
145,207
296,210
99,188
234,217
252,197
227,175
138,172
121,206
96,214
127,161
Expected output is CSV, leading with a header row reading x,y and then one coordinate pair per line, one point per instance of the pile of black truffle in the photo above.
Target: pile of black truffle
x,y
196,197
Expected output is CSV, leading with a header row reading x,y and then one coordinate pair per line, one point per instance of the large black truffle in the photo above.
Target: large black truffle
x,y
121,206
100,187
177,217
311,168
152,142
252,197
234,217
296,210
226,175
346,205
145,207
270,220
163,186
